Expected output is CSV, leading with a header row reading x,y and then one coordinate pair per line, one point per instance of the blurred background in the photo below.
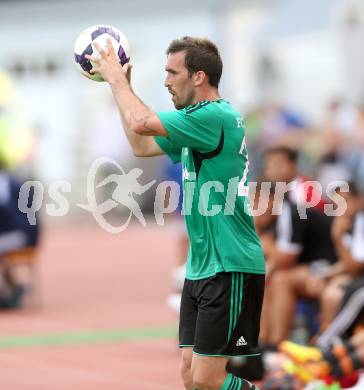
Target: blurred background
x,y
295,70
287,66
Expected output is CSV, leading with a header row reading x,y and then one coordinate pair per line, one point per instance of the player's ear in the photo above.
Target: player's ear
x,y
199,77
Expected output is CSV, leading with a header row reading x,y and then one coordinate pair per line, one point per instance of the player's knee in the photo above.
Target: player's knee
x,y
205,384
201,381
186,372
186,358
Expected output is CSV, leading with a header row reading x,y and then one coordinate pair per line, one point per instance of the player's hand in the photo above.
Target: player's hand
x,y
108,65
128,68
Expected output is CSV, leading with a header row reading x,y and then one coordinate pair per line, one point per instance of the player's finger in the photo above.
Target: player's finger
x,y
100,49
110,48
95,68
127,69
93,59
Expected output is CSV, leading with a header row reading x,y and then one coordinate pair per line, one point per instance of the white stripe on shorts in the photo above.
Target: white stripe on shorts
x,y
344,319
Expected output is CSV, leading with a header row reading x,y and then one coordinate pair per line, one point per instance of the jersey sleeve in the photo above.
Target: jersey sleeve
x,y
196,129
290,230
172,152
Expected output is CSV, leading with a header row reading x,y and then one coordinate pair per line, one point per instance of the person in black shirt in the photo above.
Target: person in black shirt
x,y
294,248
348,237
16,233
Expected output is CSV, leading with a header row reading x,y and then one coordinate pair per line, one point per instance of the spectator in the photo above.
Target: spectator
x,y
293,248
339,351
281,165
16,233
348,237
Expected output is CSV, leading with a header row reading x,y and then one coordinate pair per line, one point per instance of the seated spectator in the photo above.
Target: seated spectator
x,y
348,237
281,166
339,351
293,247
16,233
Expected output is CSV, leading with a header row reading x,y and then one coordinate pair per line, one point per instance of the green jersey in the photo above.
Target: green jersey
x,y
209,139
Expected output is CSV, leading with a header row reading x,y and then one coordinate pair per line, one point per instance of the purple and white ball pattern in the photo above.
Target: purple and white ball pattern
x,y
100,34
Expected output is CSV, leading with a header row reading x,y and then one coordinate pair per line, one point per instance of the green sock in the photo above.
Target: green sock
x,y
227,385
234,383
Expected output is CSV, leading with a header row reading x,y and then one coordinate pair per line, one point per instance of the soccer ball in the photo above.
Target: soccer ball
x,y
100,34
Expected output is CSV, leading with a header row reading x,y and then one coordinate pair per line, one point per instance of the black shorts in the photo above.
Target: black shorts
x,y
220,315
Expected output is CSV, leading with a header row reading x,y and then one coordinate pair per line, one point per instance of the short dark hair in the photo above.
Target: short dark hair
x,y
289,153
201,54
353,189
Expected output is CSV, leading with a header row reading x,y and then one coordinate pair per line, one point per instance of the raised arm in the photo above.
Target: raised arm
x,y
139,122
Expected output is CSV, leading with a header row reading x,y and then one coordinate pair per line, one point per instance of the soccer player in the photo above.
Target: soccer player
x,y
224,286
